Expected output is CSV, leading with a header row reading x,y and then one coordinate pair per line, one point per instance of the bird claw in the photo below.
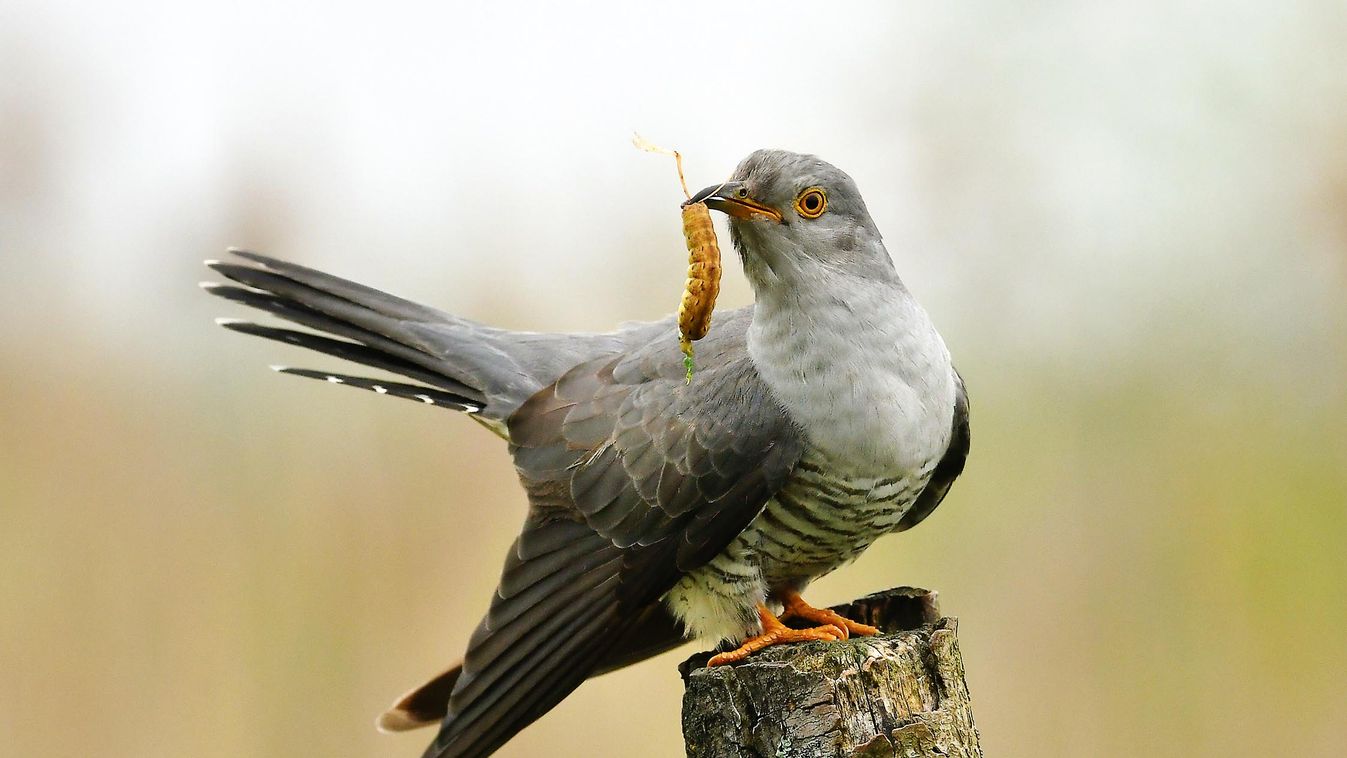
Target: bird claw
x,y
796,607
825,633
776,633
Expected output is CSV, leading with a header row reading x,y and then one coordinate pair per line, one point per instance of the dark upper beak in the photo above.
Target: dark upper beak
x,y
732,199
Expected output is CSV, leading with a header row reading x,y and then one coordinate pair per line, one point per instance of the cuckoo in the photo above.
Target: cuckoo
x,y
820,418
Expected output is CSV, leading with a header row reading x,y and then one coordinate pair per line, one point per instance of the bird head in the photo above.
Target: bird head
x,y
794,218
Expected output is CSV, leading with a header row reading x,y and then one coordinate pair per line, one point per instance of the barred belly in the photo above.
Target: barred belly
x,y
818,522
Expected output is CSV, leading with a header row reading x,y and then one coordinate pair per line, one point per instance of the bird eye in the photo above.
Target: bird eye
x,y
811,203
743,192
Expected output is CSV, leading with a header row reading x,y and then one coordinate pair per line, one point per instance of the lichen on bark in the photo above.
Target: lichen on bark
x,y
901,693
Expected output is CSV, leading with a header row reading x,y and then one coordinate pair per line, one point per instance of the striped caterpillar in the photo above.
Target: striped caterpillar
x,y
703,281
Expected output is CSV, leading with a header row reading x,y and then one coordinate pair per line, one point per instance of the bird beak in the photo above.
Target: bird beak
x,y
732,199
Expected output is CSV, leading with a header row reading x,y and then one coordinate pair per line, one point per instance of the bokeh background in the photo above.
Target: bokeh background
x,y
1129,223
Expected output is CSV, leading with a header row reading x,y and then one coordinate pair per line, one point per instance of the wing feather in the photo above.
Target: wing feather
x,y
949,467
634,477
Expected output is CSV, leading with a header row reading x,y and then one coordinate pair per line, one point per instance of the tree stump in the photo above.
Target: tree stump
x,y
901,693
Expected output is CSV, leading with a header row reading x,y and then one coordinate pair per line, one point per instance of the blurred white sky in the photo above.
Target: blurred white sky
x,y
1059,174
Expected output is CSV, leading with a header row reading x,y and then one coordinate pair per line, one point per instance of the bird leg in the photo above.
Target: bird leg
x,y
796,607
775,633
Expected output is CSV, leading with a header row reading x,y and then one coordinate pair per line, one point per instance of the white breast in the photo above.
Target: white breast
x,y
867,378
870,383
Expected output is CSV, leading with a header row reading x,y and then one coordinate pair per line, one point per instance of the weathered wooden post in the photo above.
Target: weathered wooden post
x,y
898,694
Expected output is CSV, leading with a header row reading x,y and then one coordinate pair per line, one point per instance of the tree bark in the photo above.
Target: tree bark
x,y
901,693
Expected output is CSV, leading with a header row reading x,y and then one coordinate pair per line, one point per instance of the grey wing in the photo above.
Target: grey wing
x,y
634,478
950,466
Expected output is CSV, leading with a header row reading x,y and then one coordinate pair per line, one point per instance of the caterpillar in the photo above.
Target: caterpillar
x,y
703,280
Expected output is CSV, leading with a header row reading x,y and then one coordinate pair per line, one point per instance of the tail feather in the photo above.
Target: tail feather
x,y
344,311
305,316
356,353
493,369
377,300
423,706
368,327
655,631
395,389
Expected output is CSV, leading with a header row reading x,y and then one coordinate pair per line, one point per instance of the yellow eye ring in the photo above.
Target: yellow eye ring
x,y
812,202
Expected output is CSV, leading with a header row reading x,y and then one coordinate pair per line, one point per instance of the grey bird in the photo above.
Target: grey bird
x,y
821,418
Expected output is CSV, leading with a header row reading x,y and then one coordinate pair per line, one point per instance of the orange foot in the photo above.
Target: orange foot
x,y
774,633
796,607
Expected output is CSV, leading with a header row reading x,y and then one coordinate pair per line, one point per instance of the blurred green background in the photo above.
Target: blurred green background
x,y
1130,225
